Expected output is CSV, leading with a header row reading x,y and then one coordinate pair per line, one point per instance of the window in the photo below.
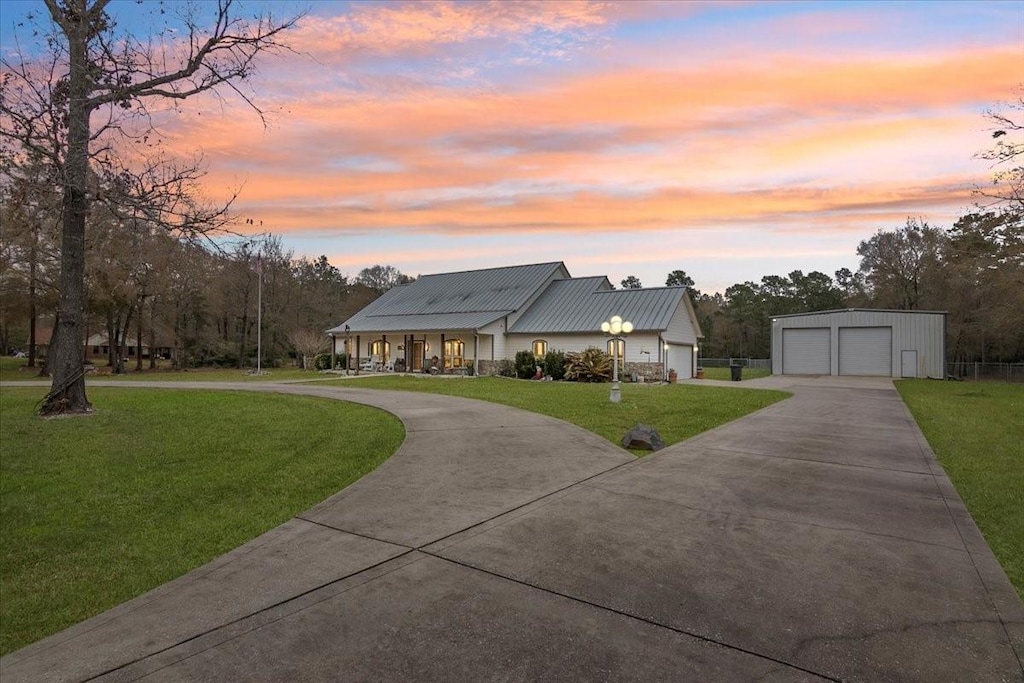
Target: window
x,y
454,350
381,349
540,347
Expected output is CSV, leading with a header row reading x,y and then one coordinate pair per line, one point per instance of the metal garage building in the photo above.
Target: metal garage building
x,y
860,341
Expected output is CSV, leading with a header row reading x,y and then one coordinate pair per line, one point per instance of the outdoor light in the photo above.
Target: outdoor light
x,y
617,328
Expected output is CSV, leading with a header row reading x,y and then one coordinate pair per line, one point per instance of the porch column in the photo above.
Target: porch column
x,y
334,352
441,370
357,355
384,350
476,355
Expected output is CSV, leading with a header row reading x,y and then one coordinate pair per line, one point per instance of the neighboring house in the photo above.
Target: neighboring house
x,y
478,318
98,346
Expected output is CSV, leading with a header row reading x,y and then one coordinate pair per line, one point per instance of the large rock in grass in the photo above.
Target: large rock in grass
x,y
643,437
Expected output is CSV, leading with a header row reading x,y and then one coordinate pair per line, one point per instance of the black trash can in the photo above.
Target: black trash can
x,y
736,372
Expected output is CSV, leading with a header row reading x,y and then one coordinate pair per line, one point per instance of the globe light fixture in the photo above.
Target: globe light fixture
x,y
616,328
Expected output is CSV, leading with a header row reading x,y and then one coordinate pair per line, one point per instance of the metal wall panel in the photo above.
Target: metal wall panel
x,y
806,351
865,351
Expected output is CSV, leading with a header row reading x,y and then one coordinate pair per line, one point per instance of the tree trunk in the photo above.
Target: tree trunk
x,y
138,337
67,392
111,340
32,297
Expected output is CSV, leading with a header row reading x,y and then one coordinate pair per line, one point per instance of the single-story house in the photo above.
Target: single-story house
x,y
478,318
860,341
98,346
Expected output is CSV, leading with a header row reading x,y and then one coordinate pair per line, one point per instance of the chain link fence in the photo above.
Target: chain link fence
x,y
753,363
1003,372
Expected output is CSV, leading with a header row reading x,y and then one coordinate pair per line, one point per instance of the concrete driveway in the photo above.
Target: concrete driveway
x,y
814,540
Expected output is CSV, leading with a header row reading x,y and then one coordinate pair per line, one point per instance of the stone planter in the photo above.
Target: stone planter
x,y
673,376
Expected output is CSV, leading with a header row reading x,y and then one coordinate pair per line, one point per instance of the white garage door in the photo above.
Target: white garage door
x,y
680,359
865,351
806,351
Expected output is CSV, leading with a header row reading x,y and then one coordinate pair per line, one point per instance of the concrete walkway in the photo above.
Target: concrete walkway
x,y
814,540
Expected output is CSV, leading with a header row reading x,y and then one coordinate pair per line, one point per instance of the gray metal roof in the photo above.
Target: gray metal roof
x,y
580,305
431,322
858,310
464,300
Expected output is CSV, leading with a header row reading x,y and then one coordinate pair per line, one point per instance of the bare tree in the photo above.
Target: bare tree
x,y
48,108
1007,126
308,343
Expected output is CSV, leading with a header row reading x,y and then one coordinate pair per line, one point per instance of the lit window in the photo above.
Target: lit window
x,y
381,349
454,350
540,348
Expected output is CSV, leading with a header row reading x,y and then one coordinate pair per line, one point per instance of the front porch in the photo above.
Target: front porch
x,y
450,352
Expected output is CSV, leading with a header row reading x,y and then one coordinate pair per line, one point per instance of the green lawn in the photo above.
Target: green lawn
x,y
97,509
14,369
677,411
726,373
977,432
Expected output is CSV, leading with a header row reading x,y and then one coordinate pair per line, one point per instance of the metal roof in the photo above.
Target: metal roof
x,y
430,322
464,300
857,310
581,305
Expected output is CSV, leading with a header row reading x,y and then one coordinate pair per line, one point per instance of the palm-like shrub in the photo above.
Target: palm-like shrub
x,y
590,365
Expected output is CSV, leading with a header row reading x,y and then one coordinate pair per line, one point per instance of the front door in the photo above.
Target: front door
x,y
417,355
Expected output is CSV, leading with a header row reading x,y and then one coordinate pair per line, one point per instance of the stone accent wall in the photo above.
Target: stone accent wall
x,y
651,372
489,368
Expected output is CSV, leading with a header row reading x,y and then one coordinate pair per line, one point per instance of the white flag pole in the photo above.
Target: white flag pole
x,y
259,314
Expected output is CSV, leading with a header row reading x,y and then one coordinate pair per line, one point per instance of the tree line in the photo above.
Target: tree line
x,y
145,288
973,270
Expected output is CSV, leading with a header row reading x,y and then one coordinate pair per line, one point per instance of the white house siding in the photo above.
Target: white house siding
x,y
495,349
635,343
680,328
921,332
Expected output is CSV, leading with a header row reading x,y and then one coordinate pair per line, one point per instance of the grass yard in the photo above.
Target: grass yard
x,y
726,373
977,433
677,411
97,509
14,370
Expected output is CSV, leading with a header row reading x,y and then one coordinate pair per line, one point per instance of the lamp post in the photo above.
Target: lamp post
x,y
664,363
617,328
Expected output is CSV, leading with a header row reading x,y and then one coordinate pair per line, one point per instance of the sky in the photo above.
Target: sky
x,y
731,140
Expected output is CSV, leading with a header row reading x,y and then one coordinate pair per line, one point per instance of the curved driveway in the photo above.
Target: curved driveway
x,y
814,540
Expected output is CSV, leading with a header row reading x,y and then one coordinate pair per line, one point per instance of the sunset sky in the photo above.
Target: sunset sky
x,y
731,140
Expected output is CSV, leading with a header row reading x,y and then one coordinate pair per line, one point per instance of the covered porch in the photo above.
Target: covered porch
x,y
434,352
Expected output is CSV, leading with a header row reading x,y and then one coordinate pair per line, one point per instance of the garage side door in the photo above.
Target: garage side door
x,y
865,351
806,351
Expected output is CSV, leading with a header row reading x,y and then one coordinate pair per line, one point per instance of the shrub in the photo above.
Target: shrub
x,y
590,365
526,365
554,364
506,368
